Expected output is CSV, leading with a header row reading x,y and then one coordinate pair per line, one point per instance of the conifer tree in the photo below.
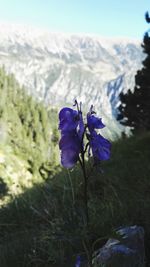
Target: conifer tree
x,y
26,123
135,107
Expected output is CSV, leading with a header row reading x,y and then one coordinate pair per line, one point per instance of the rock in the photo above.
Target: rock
x,y
127,250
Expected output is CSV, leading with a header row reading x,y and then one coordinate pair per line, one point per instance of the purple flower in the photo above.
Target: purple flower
x,y
100,147
69,119
94,122
78,261
70,147
73,131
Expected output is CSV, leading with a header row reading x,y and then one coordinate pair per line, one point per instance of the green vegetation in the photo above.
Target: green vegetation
x,y
44,226
28,135
135,106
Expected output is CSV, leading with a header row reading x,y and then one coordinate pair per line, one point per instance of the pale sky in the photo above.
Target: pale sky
x,y
112,18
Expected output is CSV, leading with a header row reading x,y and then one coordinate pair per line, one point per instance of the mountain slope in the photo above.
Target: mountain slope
x,y
58,68
27,137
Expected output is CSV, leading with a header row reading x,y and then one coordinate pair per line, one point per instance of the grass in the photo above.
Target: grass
x,y
44,226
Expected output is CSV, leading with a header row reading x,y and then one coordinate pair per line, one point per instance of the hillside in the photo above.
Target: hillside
x,y
45,225
27,137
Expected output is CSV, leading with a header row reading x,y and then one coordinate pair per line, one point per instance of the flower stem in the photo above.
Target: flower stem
x,y
85,189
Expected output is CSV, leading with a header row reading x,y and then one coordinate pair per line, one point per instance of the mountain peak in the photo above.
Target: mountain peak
x,y
57,68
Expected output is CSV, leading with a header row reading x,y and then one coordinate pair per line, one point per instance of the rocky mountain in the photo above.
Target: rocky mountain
x,y
58,68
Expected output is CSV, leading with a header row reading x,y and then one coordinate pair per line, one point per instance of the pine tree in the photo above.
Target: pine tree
x,y
25,124
135,107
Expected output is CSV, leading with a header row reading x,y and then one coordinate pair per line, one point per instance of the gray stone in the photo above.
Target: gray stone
x,y
126,250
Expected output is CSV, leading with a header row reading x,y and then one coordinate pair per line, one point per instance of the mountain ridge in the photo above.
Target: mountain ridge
x,y
58,68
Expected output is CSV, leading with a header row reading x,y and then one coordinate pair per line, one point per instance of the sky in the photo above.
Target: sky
x,y
110,18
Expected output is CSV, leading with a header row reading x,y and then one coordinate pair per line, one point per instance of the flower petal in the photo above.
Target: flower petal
x,y
70,146
69,119
94,122
69,139
69,157
100,147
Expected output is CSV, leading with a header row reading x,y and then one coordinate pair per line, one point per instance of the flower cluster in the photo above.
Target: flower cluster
x,y
73,130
